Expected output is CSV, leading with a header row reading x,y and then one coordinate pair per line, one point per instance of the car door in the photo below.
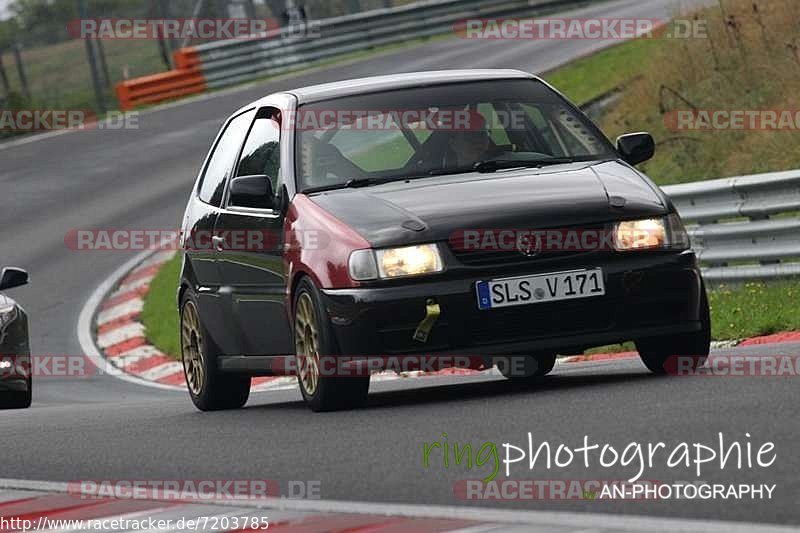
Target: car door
x,y
252,266
200,219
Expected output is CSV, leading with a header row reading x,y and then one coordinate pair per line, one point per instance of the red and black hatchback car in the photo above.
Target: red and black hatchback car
x,y
472,213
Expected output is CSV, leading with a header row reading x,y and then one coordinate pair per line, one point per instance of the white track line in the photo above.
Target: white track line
x,y
586,521
85,327
120,311
134,330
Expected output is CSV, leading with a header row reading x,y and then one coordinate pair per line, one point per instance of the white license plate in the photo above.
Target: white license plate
x,y
540,288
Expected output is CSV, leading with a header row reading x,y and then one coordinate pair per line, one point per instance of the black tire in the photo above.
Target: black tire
x,y
212,390
526,367
676,354
331,393
17,400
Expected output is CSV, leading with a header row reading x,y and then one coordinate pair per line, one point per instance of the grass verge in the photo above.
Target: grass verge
x,y
754,309
160,316
590,77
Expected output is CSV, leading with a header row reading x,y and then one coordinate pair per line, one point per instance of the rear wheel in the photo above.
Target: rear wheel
x,y
314,342
210,389
676,354
526,367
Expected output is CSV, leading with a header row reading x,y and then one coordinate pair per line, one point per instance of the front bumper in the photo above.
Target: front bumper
x,y
15,358
647,295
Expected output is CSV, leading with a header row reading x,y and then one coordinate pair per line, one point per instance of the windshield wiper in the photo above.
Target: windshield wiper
x,y
493,165
352,183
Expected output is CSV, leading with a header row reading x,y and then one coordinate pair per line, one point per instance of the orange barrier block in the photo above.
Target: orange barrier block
x,y
186,58
160,87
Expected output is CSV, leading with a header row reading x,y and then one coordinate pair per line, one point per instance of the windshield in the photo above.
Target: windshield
x,y
440,130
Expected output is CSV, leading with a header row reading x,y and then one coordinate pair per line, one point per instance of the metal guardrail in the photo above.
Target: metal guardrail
x,y
234,61
223,63
758,247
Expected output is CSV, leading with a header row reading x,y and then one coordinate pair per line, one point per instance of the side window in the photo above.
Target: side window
x,y
262,151
212,186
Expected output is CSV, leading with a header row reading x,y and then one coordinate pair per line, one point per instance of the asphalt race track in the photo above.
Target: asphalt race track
x,y
103,428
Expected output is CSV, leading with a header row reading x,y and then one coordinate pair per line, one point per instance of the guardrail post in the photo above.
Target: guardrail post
x,y
4,79
98,90
23,79
101,52
756,219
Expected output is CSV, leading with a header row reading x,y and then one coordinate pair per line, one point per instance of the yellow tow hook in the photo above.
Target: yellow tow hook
x,y
432,315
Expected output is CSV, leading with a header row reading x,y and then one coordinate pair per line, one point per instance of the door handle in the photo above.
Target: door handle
x,y
219,243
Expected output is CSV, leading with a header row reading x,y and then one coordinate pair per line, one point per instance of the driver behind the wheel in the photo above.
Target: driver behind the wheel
x,y
468,144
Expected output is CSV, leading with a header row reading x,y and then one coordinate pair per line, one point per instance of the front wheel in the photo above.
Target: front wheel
x,y
316,347
678,354
210,389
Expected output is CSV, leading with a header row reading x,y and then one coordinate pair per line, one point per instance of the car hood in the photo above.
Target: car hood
x,y
434,209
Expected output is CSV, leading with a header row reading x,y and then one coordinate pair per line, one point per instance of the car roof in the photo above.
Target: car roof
x,y
327,91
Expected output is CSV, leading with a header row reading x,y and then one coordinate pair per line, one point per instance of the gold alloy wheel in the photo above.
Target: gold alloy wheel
x,y
192,348
306,341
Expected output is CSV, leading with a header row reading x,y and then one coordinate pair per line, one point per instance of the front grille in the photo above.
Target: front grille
x,y
499,259
509,257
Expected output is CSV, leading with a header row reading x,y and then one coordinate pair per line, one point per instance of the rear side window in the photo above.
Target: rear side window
x,y
212,186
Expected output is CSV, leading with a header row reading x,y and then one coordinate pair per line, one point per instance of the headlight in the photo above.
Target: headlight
x,y
651,234
395,262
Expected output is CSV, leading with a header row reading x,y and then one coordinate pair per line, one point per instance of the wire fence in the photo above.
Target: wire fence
x,y
42,66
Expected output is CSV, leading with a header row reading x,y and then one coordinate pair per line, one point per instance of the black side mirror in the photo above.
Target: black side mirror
x,y
636,148
13,277
252,191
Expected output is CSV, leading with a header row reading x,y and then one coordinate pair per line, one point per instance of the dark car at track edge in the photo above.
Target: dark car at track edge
x,y
16,384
